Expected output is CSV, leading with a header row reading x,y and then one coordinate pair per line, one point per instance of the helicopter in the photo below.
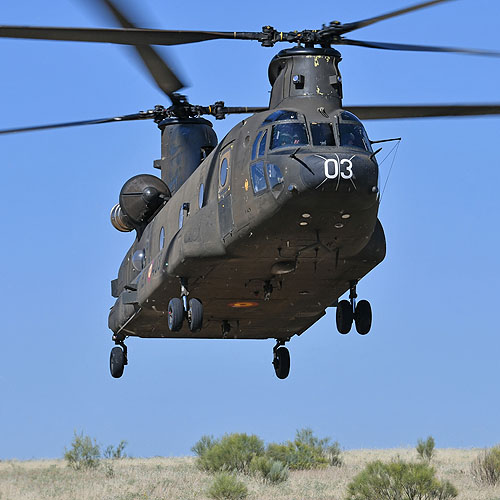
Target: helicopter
x,y
257,235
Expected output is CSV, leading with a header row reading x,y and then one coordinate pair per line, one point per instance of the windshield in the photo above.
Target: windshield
x,y
289,134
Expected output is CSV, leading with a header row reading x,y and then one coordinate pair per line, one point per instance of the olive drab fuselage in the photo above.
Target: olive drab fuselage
x,y
270,226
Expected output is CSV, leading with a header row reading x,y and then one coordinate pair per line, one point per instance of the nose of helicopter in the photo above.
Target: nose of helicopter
x,y
344,175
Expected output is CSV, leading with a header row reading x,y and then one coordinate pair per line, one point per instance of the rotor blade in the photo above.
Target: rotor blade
x,y
157,67
348,27
129,36
416,48
422,111
144,115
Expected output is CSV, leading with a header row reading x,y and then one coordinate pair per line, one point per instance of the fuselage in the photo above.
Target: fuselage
x,y
270,229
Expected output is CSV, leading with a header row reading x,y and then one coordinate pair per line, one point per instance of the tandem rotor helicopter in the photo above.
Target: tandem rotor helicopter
x,y
255,236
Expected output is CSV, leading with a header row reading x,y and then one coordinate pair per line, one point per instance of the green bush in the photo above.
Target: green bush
x,y
271,471
399,480
203,445
233,452
116,452
84,453
486,467
306,451
227,487
425,449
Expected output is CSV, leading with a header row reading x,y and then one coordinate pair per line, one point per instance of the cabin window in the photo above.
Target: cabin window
x,y
262,146
274,175
258,177
162,238
223,172
353,135
282,114
201,196
289,134
322,134
255,145
181,216
139,259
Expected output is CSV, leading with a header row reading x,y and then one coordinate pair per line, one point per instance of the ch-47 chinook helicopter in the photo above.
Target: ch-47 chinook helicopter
x,y
253,237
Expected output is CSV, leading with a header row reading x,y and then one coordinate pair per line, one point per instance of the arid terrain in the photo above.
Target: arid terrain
x,y
179,479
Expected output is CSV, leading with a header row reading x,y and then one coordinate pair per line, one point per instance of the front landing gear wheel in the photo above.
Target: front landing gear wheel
x,y
344,316
195,315
175,314
117,362
281,362
363,317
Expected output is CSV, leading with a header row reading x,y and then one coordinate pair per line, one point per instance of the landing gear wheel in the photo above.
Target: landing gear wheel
x,y
281,362
175,314
116,362
195,315
344,316
363,317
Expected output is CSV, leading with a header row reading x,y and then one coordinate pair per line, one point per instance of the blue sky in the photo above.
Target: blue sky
x,y
429,365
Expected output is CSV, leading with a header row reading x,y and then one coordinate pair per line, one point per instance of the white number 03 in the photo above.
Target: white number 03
x,y
344,169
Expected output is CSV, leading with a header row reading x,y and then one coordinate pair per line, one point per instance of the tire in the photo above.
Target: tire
x,y
344,317
175,315
195,315
116,362
363,317
282,362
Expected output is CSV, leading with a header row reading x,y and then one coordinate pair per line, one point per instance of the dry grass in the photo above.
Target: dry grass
x,y
179,479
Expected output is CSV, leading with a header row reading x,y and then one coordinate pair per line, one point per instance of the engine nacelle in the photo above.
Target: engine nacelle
x,y
140,199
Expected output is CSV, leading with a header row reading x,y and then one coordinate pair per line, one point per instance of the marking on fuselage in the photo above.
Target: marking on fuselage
x,y
342,169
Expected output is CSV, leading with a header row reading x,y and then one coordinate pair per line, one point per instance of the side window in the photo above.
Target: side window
x,y
201,196
255,145
223,172
162,238
289,134
139,259
275,176
322,134
262,146
258,177
181,217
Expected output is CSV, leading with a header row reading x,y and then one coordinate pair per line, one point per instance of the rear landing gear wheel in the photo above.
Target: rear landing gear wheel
x,y
344,316
195,315
117,362
363,317
281,362
175,314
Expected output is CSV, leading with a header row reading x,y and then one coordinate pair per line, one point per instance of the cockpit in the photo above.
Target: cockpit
x,y
290,129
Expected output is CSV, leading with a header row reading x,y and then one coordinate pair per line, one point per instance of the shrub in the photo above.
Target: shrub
x,y
84,452
486,467
271,471
306,451
203,445
425,449
227,487
398,480
233,452
116,453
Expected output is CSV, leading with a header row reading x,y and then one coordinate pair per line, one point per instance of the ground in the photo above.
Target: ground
x,y
178,478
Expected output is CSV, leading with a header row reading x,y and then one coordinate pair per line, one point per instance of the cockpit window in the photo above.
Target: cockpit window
x,y
262,146
354,135
289,134
255,145
322,134
282,114
345,115
258,177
